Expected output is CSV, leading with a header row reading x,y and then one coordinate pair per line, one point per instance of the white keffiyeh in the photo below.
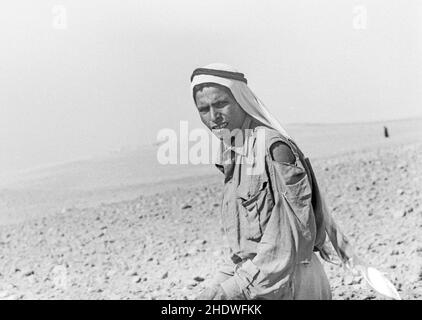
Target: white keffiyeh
x,y
244,96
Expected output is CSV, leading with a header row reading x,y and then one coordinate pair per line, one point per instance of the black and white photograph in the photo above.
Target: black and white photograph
x,y
211,150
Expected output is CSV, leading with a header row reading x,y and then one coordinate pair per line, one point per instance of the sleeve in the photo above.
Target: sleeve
x,y
269,275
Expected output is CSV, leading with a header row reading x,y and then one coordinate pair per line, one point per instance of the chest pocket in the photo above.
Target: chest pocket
x,y
255,204
295,181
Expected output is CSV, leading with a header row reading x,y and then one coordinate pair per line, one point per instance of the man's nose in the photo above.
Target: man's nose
x,y
215,115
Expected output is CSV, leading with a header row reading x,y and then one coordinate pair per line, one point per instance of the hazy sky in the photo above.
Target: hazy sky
x,y
83,77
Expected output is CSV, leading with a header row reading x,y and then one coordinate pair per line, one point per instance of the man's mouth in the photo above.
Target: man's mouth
x,y
220,126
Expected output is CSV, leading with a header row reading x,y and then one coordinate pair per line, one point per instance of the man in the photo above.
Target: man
x,y
273,218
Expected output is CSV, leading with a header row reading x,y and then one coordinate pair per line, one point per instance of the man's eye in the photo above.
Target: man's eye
x,y
203,110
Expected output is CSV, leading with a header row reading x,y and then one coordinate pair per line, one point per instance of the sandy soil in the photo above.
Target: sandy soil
x,y
167,245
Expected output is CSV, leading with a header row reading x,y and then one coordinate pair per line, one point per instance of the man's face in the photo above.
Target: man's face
x,y
219,110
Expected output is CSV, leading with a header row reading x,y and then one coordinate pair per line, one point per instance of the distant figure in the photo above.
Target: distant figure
x,y
386,132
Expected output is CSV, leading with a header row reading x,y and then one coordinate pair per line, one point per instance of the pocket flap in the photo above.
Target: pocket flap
x,y
250,189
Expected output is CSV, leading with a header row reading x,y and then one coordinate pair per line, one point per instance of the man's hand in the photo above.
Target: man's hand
x,y
213,293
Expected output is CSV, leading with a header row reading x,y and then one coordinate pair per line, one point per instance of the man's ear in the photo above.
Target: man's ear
x,y
281,152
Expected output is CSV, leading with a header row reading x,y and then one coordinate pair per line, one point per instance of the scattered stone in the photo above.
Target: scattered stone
x,y
402,165
198,279
191,284
200,242
131,273
186,206
136,279
29,273
399,214
349,280
165,275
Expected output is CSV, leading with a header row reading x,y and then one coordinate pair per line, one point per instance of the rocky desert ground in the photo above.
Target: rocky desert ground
x,y
167,245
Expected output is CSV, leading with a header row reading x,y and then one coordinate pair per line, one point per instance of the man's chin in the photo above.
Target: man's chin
x,y
221,133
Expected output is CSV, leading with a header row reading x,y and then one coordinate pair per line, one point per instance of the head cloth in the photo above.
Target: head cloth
x,y
236,82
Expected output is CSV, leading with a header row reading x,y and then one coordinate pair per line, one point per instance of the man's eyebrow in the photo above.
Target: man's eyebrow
x,y
218,100
223,99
